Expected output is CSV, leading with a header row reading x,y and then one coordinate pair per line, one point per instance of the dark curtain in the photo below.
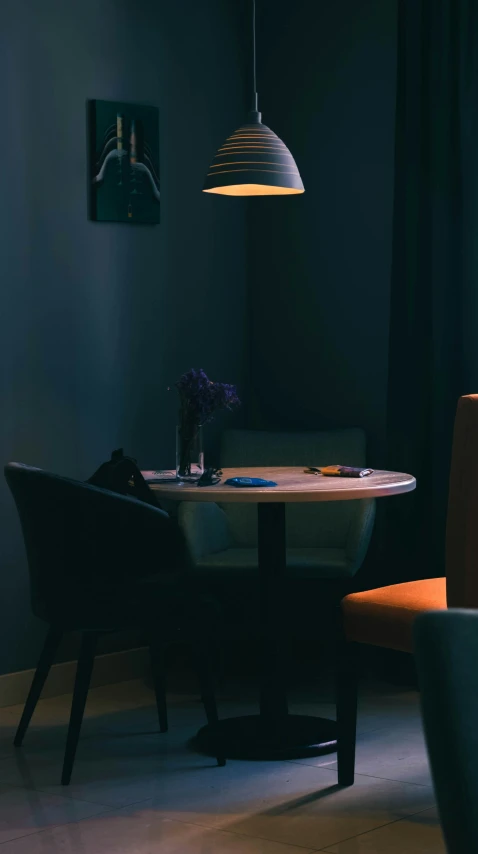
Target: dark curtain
x,y
434,304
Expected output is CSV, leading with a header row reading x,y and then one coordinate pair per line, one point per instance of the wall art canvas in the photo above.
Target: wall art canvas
x,y
124,162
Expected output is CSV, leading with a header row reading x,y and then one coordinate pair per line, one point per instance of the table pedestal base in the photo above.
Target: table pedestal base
x,y
250,737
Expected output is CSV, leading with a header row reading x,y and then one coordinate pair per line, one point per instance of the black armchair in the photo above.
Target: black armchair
x,y
102,562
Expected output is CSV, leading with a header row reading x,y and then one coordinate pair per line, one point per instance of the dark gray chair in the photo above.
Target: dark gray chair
x,y
103,562
446,653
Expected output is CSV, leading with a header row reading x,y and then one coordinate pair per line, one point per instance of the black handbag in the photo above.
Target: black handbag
x,y
121,474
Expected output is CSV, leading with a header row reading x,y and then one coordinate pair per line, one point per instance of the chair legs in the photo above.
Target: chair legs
x,y
347,678
82,683
80,693
202,657
203,665
156,651
47,657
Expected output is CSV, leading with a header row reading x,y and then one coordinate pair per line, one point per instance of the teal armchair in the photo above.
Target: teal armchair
x,y
326,540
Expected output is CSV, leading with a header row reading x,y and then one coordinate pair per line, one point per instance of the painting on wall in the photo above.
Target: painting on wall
x,y
124,162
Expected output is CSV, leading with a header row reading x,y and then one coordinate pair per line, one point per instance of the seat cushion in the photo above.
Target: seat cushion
x,y
384,617
304,563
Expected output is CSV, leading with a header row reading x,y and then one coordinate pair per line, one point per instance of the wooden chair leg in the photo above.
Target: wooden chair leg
x,y
80,693
202,656
45,662
347,684
156,651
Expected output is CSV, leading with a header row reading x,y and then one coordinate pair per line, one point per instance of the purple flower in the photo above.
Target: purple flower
x,y
200,398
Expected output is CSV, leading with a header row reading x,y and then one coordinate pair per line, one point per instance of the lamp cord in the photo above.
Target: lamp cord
x,y
254,73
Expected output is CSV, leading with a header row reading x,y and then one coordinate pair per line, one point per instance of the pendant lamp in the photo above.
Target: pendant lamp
x,y
253,161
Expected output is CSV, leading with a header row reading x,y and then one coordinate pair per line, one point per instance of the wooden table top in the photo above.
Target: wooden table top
x,y
293,485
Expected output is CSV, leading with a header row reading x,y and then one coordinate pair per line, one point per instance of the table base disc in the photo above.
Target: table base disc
x,y
250,737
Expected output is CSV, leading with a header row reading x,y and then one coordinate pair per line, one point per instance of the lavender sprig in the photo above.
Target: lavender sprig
x,y
200,398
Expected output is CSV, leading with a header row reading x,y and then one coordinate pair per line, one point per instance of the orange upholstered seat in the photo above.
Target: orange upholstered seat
x,y
384,617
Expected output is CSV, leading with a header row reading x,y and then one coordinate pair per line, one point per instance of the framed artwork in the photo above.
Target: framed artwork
x,y
124,162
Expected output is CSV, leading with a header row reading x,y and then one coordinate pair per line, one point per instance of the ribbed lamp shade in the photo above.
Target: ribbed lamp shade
x,y
253,162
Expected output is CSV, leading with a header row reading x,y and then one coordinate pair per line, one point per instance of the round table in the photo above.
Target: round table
x,y
274,733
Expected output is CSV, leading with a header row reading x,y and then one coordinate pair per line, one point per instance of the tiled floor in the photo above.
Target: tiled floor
x,y
135,791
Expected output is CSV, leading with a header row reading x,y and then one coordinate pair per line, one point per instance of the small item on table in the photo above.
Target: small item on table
x,y
249,481
210,477
338,471
162,476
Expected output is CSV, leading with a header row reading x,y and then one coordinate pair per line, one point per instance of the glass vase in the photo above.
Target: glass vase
x,y
189,453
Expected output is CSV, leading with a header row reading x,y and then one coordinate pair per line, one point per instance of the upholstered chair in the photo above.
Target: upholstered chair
x,y
384,617
101,562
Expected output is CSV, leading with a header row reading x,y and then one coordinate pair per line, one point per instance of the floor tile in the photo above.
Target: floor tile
x,y
281,801
390,741
394,707
391,708
417,834
49,724
103,776
317,813
8,725
141,830
116,769
25,811
55,711
128,707
396,753
124,761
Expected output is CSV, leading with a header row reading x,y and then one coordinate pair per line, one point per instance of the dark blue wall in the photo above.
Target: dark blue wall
x,y
320,263
98,319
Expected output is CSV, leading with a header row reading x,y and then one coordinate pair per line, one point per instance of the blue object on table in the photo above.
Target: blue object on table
x,y
249,481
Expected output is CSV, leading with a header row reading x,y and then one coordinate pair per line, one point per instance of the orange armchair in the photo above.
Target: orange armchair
x,y
384,617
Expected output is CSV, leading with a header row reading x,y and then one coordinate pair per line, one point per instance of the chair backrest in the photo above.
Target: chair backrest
x,y
79,537
321,525
462,519
446,652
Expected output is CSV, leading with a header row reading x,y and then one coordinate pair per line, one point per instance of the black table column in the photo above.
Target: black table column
x,y
272,567
274,733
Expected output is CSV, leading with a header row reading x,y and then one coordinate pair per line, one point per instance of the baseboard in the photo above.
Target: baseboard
x,y
112,667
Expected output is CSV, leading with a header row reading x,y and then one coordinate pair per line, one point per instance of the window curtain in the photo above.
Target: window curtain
x,y
433,356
